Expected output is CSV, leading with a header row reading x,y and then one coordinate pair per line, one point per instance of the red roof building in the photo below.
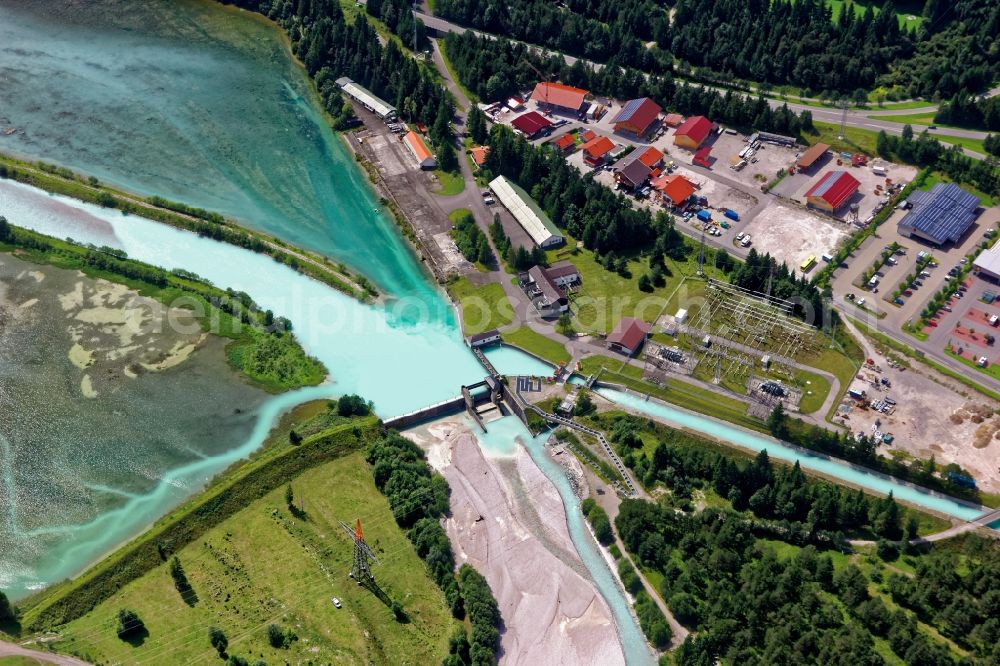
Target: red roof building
x,y
677,189
559,96
564,142
637,117
703,157
673,119
479,154
596,149
530,124
693,132
628,336
832,191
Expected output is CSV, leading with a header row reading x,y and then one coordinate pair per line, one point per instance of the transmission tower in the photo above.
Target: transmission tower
x,y
360,571
843,119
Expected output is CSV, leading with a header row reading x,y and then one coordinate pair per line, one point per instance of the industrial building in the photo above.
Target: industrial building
x,y
940,215
832,191
810,157
532,219
638,117
628,336
987,264
558,97
365,98
415,144
692,132
531,124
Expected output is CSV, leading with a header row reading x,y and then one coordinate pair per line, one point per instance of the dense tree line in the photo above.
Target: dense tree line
x,y
397,15
497,69
470,239
594,29
957,592
517,258
763,273
599,521
966,110
330,47
788,42
926,151
484,616
184,209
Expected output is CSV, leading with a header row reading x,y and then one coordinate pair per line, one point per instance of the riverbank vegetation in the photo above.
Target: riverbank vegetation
x,y
264,577
418,498
262,348
209,224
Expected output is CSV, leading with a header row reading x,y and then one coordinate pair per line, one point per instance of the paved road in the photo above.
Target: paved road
x,y
855,117
15,650
970,526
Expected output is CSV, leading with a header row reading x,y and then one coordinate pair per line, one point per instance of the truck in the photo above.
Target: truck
x,y
732,215
879,170
704,215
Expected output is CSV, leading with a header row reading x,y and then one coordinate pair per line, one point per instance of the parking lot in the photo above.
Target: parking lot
x,y
791,233
846,280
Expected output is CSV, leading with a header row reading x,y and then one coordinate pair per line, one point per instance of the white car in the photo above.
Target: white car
x,y
739,236
336,602
860,302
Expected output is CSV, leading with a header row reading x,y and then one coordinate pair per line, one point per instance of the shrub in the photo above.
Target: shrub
x,y
129,624
218,640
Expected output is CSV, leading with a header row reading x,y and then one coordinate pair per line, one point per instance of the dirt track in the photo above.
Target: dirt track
x,y
15,650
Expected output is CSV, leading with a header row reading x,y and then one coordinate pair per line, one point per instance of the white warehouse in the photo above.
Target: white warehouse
x,y
527,213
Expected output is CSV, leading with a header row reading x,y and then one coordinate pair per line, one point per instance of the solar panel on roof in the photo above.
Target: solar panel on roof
x,y
944,213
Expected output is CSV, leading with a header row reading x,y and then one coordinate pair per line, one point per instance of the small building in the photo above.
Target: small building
x,y
809,158
545,294
563,273
628,336
527,213
478,155
596,150
632,175
531,124
361,95
415,143
673,119
638,117
693,132
558,97
515,103
940,215
832,191
483,339
649,156
703,157
682,316
565,143
676,188
777,139
987,264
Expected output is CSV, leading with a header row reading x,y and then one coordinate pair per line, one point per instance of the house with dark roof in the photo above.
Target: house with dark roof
x,y
832,191
692,132
559,97
545,294
531,124
563,273
628,336
483,339
940,215
638,117
632,175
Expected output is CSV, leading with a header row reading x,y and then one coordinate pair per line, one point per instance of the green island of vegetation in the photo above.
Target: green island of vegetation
x,y
262,347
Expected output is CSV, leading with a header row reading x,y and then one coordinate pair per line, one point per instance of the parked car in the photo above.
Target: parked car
x,y
740,236
946,308
861,302
336,602
850,297
908,292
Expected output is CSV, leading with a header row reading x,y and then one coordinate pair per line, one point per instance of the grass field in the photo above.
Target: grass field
x,y
537,344
604,296
964,141
450,183
908,118
483,308
855,140
264,566
938,177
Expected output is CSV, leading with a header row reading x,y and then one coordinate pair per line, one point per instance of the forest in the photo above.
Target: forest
x,y
798,43
926,151
764,574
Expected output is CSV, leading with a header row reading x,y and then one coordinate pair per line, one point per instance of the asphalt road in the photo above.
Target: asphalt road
x,y
855,117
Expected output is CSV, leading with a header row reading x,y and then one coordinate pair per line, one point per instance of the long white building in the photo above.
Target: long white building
x,y
365,98
527,213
